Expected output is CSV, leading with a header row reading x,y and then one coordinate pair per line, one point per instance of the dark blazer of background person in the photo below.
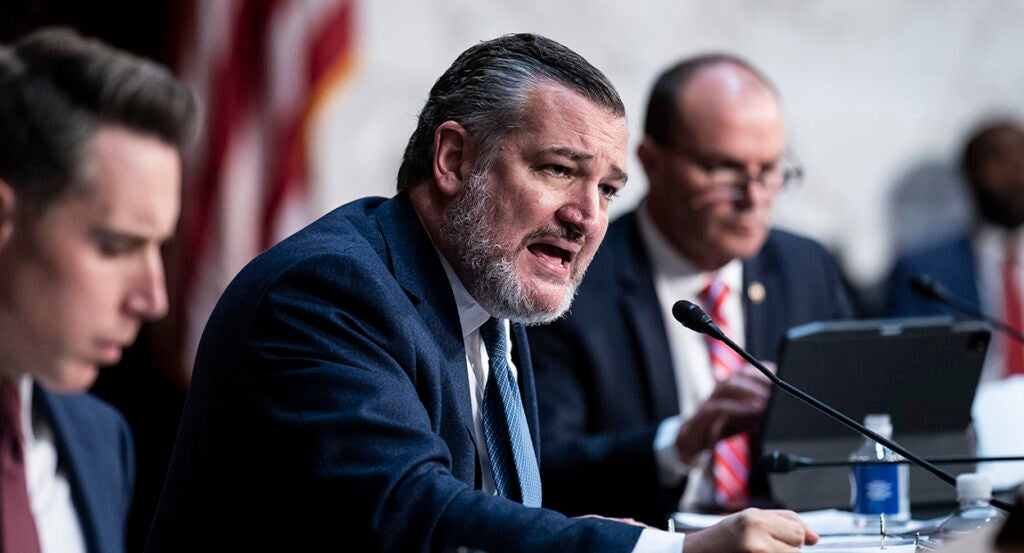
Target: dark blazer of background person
x,y
95,447
604,373
950,262
336,416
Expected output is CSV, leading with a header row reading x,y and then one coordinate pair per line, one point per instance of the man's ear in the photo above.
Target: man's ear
x,y
454,157
647,153
8,209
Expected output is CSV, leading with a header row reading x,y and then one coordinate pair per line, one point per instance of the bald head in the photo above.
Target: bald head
x,y
709,73
728,102
714,126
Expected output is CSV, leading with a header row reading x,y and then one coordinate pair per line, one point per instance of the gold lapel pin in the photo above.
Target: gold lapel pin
x,y
756,292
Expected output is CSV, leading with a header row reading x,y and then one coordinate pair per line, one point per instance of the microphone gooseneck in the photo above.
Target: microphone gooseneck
x,y
689,314
926,286
929,288
778,462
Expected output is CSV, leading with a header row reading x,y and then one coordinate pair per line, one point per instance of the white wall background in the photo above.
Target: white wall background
x,y
878,94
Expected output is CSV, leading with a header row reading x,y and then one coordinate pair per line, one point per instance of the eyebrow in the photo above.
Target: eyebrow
x,y
616,173
126,237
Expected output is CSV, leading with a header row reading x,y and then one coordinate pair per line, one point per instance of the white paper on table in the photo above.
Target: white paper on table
x,y
826,522
837,528
859,544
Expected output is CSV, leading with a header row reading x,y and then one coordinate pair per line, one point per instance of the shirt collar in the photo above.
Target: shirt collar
x,y
992,239
471,314
668,263
25,395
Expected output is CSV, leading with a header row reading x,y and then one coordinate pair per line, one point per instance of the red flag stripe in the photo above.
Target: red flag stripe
x,y
330,60
261,78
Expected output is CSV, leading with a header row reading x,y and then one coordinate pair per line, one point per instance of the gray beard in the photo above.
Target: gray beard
x,y
486,266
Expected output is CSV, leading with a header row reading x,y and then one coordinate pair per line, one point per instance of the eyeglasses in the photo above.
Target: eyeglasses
x,y
732,182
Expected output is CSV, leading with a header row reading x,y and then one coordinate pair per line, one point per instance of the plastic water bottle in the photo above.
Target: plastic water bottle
x,y
878,489
974,492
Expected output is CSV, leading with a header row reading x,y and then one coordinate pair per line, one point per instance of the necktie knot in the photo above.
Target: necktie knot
x,y
493,335
713,297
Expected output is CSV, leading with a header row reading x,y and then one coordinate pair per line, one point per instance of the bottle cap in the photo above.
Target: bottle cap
x,y
879,423
973,486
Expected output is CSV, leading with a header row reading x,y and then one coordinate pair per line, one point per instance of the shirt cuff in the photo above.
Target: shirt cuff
x,y
671,469
659,541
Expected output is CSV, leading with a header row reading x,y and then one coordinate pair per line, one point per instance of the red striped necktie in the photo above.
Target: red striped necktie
x,y
17,527
731,461
1012,311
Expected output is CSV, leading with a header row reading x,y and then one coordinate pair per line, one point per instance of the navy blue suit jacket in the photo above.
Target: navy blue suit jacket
x,y
94,445
604,373
950,262
329,409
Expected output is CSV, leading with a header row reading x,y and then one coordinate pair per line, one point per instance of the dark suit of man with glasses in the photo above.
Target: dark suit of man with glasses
x,y
639,416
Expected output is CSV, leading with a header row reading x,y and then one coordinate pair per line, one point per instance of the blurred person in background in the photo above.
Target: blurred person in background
x,y
982,266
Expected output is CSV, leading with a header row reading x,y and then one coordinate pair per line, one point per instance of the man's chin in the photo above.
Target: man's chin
x,y
73,377
550,305
745,247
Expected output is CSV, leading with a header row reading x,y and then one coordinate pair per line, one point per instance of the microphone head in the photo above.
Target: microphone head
x,y
695,319
926,286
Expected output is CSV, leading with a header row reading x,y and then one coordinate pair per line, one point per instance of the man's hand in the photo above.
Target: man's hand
x,y
754,531
733,407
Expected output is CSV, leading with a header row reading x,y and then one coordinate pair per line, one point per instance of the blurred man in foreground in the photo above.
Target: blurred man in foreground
x,y
90,161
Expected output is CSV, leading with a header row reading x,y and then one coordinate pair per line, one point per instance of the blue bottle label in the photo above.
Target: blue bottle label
x,y
877,489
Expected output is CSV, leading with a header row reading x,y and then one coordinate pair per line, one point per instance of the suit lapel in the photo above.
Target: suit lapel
x,y
418,270
640,305
76,455
768,313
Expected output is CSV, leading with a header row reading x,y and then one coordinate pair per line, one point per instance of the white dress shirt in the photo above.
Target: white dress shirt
x,y
49,491
676,278
471,317
989,254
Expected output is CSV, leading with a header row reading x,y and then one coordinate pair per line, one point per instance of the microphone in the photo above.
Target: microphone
x,y
782,463
694,318
929,288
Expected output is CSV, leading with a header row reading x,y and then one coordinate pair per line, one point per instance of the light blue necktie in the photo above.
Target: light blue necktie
x,y
513,460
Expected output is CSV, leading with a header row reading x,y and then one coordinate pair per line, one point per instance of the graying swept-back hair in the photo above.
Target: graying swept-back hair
x,y
485,91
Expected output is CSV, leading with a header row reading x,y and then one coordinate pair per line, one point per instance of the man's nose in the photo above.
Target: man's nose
x,y
148,297
583,210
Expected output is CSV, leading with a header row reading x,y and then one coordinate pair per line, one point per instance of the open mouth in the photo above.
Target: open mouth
x,y
551,255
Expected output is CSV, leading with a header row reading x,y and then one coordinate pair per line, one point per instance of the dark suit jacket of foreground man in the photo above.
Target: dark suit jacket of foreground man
x,y
330,410
604,373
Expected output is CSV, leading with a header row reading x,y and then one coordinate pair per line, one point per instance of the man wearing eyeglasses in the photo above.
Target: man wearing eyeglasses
x,y
639,416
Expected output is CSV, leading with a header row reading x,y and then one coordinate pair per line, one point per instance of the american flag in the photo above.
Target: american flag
x,y
261,71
